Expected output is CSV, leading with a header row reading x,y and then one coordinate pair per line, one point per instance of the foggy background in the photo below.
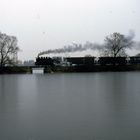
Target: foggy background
x,y
41,25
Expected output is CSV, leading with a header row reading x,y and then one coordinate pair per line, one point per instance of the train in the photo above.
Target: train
x,y
78,61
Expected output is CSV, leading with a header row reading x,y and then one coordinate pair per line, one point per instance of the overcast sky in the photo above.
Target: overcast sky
x,y
47,24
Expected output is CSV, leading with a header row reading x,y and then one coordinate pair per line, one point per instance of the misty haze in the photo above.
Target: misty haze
x,y
69,70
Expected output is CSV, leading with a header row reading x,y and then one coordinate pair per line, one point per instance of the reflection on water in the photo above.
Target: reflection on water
x,y
80,106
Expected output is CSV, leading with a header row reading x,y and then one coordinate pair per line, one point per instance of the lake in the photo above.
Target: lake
x,y
73,106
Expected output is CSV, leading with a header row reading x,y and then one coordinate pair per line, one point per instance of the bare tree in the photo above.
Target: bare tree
x,y
116,44
8,49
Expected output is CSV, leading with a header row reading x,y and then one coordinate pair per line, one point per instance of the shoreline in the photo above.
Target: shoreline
x,y
70,69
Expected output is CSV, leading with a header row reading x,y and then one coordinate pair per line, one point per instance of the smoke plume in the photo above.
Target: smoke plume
x,y
131,35
73,48
91,46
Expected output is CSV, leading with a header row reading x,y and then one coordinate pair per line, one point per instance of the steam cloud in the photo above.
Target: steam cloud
x,y
131,35
73,48
88,46
136,44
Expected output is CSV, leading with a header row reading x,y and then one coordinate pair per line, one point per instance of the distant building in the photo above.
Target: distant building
x,y
29,63
19,63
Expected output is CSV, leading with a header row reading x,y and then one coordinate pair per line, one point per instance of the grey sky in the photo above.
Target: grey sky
x,y
46,24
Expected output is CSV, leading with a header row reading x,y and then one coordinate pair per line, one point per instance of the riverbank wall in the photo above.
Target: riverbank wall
x,y
70,69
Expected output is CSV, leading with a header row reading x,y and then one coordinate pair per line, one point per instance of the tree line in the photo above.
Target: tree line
x,y
115,45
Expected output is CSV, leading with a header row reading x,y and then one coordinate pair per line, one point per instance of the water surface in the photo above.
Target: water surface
x,y
78,106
